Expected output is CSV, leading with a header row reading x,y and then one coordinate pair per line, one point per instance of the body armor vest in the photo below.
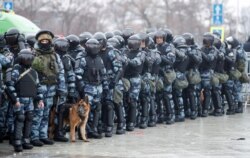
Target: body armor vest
x,y
93,70
26,86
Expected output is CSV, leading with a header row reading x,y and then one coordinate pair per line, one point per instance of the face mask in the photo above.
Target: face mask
x,y
44,46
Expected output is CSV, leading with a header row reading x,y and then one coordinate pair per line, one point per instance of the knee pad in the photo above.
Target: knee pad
x,y
20,117
29,116
133,105
110,106
98,107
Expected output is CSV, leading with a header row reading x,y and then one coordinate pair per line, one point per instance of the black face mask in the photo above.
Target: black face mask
x,y
44,46
93,51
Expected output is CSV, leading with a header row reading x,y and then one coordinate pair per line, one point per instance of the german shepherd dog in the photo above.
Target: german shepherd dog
x,y
77,117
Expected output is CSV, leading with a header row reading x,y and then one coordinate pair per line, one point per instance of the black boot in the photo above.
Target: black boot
x,y
131,116
144,112
169,104
18,127
37,143
59,132
180,114
159,110
120,129
27,130
110,119
239,109
18,146
193,102
109,131
120,119
94,132
143,123
152,121
27,144
152,113
217,100
47,141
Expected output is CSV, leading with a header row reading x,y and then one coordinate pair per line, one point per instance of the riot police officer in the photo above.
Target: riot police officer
x,y
181,64
235,46
15,41
113,67
6,59
191,94
209,53
167,76
74,46
92,81
132,73
24,76
61,46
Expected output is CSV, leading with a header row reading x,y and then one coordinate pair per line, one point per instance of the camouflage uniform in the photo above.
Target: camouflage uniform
x,y
132,73
92,81
113,66
52,82
168,58
5,62
180,66
23,114
208,62
191,94
240,65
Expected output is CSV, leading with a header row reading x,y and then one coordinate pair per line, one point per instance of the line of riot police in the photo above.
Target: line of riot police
x,y
131,79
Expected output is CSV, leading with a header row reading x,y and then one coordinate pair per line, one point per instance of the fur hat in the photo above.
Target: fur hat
x,y
44,35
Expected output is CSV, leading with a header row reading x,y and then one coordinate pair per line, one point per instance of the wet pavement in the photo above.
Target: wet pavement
x,y
224,137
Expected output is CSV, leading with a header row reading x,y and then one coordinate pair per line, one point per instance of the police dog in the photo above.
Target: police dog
x,y
77,117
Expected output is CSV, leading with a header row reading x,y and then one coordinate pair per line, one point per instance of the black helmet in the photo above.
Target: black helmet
x,y
208,39
93,47
114,43
126,33
120,39
11,36
134,42
99,36
117,32
179,41
159,34
2,42
73,40
31,40
189,38
61,45
217,42
84,37
168,35
232,42
109,35
25,57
